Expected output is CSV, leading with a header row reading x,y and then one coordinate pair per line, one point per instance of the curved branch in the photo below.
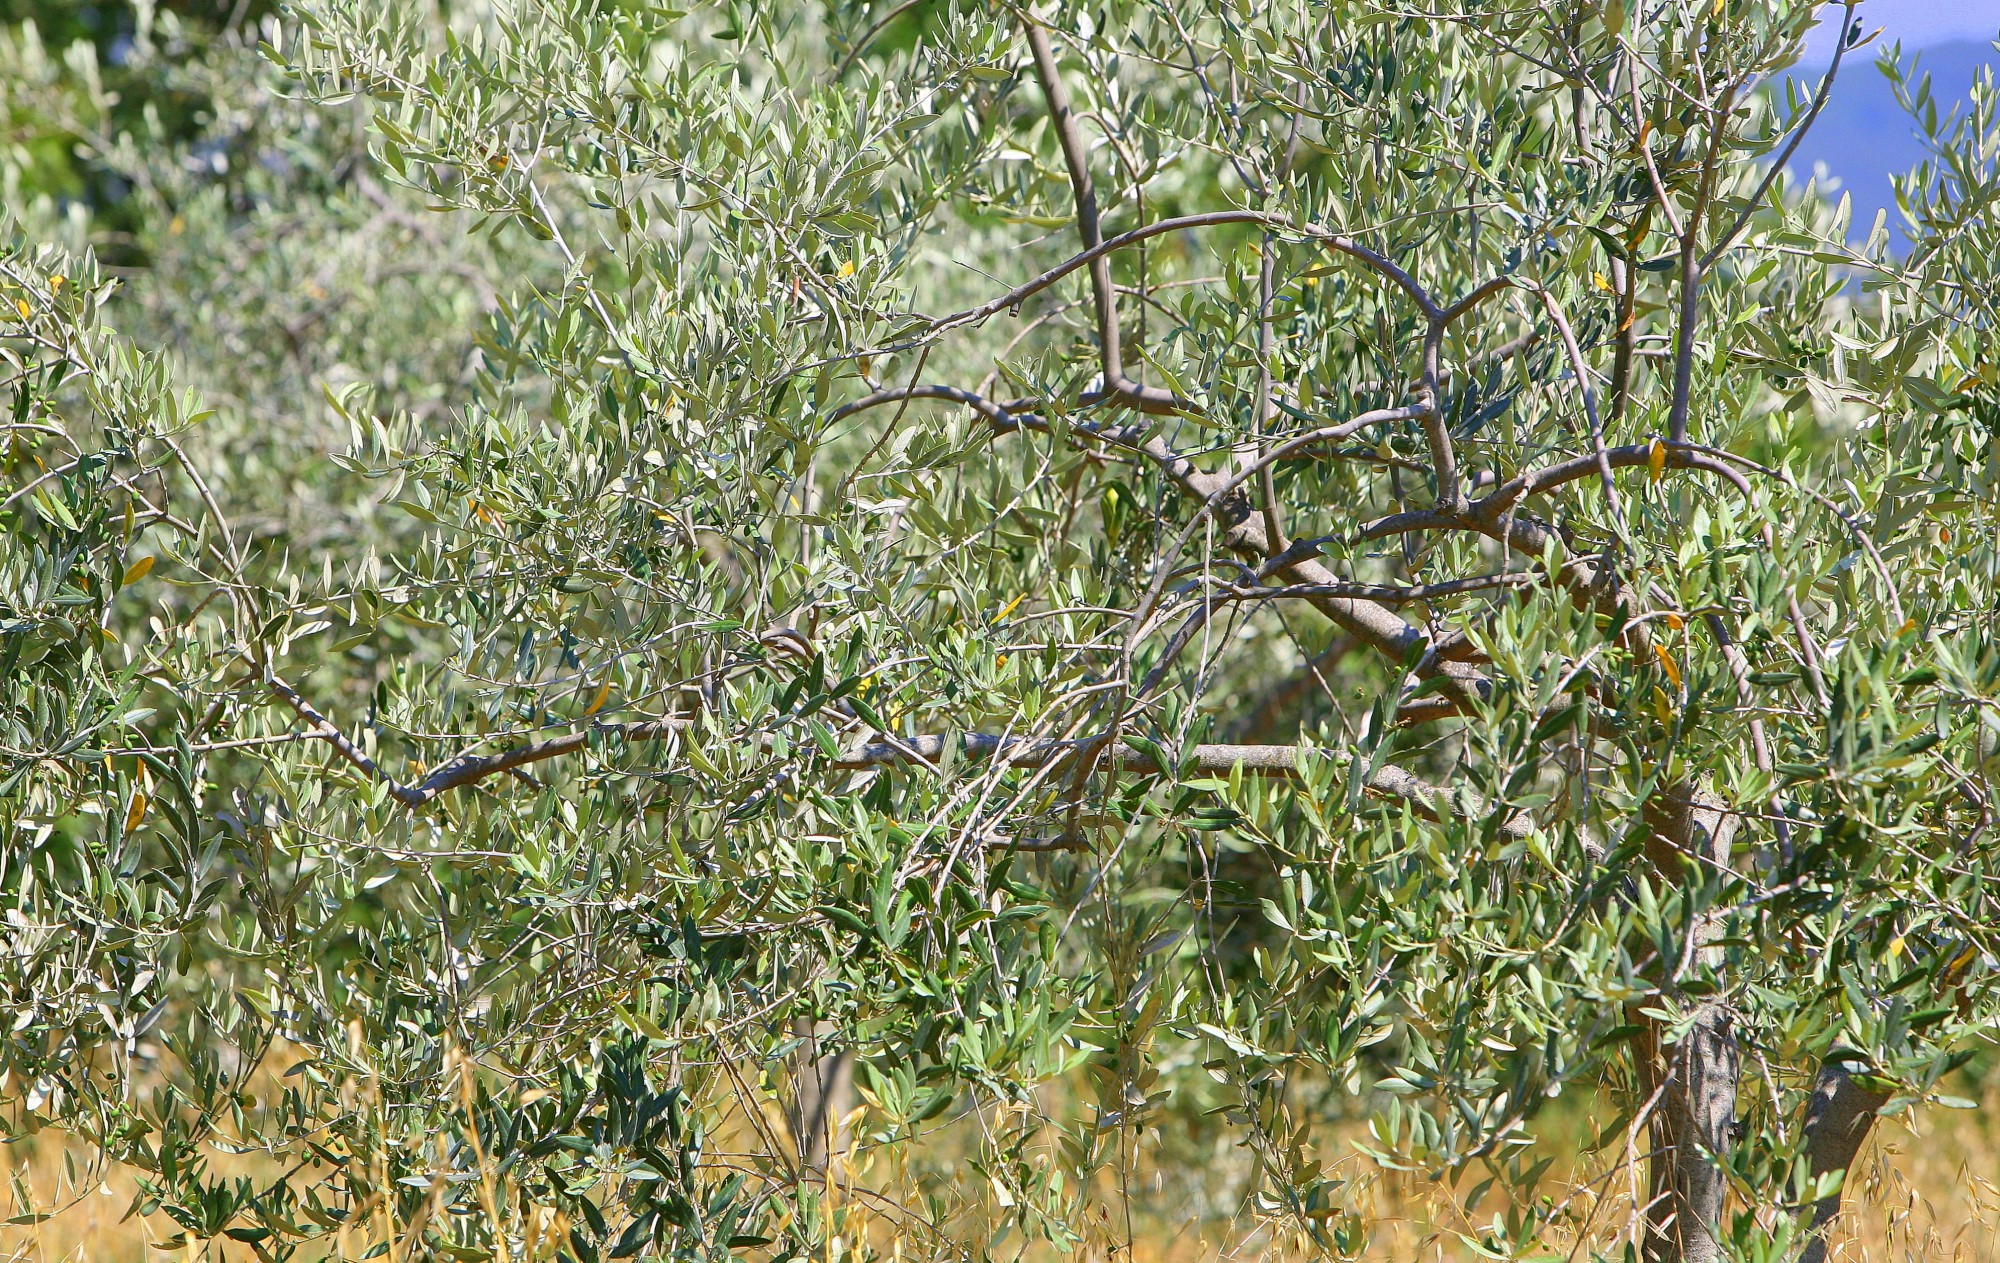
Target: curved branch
x,y
868,36
1476,297
1381,263
1367,621
1549,477
1004,419
1002,416
1381,593
1374,593
1118,387
1437,436
466,768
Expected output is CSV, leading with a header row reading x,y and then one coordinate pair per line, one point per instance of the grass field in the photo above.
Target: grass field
x,y
1924,1192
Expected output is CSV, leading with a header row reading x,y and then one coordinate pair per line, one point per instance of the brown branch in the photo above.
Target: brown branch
x,y
869,35
1381,263
324,729
1476,297
1369,622
1377,593
1433,803
1838,1120
1002,414
1784,159
1384,593
1626,280
1549,477
1437,436
466,768
1118,387
1221,498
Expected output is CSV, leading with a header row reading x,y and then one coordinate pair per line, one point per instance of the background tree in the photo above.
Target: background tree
x,y
1155,580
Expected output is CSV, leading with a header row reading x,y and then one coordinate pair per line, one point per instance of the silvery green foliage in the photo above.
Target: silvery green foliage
x,y
617,559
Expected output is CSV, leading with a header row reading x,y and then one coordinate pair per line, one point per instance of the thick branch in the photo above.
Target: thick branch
x,y
1838,1120
323,729
1383,593
1444,461
1378,593
1697,1122
1549,477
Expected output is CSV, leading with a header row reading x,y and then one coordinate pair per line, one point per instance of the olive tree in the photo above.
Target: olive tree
x,y
946,629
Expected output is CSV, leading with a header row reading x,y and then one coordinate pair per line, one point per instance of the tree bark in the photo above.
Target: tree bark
x,y
1694,1126
1694,1118
822,1088
1838,1120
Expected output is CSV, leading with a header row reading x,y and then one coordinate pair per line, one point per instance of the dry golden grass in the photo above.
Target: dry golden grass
x,y
1927,1190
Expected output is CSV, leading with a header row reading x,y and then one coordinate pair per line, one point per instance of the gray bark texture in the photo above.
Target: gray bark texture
x,y
1838,1120
1694,1120
822,1090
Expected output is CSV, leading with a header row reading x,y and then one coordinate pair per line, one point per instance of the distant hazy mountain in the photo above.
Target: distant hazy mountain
x,y
1863,136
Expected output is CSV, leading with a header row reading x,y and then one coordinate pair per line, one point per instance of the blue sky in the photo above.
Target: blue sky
x,y
1863,135
1918,23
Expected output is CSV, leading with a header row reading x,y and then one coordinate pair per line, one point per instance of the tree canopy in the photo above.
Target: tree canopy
x,y
936,629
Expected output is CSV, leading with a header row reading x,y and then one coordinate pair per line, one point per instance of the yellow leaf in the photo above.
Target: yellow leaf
x,y
176,226
1667,663
136,812
1011,607
1656,460
597,703
21,305
847,267
1895,947
56,281
136,571
1674,621
1909,625
1598,279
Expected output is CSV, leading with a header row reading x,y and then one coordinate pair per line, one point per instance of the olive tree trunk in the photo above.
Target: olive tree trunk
x,y
1838,1120
1692,1082
822,1088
